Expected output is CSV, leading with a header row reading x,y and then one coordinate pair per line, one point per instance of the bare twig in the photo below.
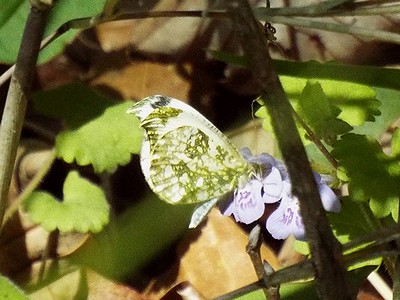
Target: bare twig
x,y
253,250
273,290
19,90
325,249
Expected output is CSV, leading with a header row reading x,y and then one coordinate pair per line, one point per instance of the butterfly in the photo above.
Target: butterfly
x,y
184,157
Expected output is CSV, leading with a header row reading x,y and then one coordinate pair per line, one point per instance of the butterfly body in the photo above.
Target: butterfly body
x,y
184,157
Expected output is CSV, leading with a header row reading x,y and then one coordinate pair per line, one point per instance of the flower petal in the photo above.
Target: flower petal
x,y
247,205
286,219
263,159
330,201
272,186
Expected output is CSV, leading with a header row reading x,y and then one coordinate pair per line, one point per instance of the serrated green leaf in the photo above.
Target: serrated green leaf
x,y
99,132
343,102
349,224
14,13
390,111
356,102
84,207
382,209
320,114
373,174
263,114
8,290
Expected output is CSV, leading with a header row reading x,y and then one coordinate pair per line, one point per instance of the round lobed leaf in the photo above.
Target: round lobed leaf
x,y
83,209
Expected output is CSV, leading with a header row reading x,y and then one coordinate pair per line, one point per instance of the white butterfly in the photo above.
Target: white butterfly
x,y
184,157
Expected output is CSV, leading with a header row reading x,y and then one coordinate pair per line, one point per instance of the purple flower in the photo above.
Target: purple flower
x,y
247,205
286,219
329,200
271,184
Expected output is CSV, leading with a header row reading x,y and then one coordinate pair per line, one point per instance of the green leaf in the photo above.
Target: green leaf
x,y
373,174
135,238
390,111
100,132
8,290
356,102
320,114
352,103
364,75
13,16
263,114
350,222
396,142
84,207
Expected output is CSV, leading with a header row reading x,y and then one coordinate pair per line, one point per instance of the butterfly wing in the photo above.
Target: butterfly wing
x,y
185,158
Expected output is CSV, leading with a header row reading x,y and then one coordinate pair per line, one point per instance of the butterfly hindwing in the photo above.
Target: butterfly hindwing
x,y
185,158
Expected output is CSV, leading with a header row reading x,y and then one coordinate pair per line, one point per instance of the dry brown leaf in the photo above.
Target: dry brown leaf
x,y
213,260
141,79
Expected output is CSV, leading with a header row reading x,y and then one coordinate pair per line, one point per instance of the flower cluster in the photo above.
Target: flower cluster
x,y
272,185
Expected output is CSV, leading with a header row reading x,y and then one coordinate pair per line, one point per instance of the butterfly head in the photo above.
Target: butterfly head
x,y
144,108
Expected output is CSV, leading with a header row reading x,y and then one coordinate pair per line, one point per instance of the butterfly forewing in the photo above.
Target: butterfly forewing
x,y
184,157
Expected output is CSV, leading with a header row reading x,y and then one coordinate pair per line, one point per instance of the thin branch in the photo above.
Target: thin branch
x,y
242,291
305,271
380,285
378,237
33,184
325,249
321,147
278,15
16,101
364,32
273,290
322,10
6,75
253,250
